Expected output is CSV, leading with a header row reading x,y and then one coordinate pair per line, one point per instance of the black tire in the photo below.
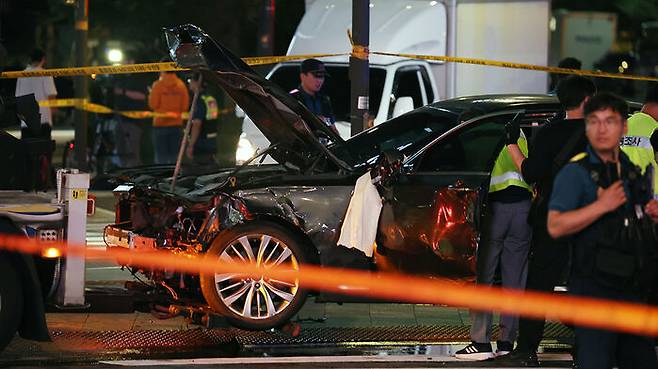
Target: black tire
x,y
285,305
11,302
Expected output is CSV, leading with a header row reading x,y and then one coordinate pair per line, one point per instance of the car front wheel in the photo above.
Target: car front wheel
x,y
255,303
11,302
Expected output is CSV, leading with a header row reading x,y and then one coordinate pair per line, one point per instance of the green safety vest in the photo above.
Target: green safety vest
x,y
637,146
212,111
505,173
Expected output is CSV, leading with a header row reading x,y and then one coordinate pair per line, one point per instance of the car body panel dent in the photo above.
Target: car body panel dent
x,y
317,211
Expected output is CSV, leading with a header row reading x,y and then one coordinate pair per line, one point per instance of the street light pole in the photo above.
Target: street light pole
x,y
266,28
359,66
81,82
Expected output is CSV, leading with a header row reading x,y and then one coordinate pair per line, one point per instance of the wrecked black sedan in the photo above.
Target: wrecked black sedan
x,y
433,178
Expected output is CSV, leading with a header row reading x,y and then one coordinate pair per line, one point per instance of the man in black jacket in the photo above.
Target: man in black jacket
x,y
312,74
554,144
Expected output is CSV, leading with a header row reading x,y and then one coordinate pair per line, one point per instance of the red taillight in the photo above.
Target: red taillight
x,y
91,204
71,145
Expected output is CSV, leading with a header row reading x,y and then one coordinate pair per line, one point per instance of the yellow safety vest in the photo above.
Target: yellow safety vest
x,y
637,146
505,173
212,111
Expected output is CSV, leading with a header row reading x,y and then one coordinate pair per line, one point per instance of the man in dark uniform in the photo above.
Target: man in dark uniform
x,y
129,94
552,147
596,199
202,147
311,76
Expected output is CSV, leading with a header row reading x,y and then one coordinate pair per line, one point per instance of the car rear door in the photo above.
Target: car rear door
x,y
430,222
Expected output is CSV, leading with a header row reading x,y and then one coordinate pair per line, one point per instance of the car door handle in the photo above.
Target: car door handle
x,y
459,185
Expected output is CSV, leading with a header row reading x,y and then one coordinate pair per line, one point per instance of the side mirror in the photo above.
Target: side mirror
x,y
403,104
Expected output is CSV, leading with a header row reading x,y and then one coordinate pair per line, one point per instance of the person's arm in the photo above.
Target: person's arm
x,y
195,132
185,101
516,155
154,97
651,209
565,223
51,91
135,95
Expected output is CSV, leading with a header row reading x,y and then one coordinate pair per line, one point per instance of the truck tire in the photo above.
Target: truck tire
x,y
11,302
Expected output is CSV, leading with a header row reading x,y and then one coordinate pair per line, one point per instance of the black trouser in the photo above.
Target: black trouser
x,y
549,261
602,349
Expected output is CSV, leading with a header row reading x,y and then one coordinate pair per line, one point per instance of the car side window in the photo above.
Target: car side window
x,y
406,83
470,149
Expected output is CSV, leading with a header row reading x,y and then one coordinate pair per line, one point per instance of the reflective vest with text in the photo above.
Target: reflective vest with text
x,y
637,146
505,173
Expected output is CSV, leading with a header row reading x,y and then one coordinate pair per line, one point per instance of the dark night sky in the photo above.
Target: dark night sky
x,y
137,25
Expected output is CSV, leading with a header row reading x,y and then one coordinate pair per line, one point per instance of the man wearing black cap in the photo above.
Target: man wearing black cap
x,y
311,75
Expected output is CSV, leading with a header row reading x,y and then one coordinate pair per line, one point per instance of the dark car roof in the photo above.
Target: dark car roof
x,y
471,106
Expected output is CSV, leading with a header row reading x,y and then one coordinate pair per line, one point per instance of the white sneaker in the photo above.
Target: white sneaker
x,y
475,352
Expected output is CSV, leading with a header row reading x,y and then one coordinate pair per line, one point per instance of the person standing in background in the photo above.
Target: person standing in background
x,y
168,95
202,146
637,141
312,74
129,94
43,89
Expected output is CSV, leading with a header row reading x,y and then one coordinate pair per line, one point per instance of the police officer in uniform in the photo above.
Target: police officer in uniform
x,y
312,74
597,199
505,241
552,147
641,125
202,146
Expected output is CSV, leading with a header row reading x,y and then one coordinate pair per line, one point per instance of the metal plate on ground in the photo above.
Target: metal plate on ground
x,y
192,338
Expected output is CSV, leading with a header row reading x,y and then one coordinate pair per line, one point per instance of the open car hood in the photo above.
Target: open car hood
x,y
283,120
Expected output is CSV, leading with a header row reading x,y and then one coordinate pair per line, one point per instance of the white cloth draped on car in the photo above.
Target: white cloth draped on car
x,y
359,227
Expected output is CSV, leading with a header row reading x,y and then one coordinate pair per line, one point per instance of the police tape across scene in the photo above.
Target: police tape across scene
x,y
84,104
613,315
145,67
358,51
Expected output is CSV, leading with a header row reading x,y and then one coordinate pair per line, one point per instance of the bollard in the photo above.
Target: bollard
x,y
72,190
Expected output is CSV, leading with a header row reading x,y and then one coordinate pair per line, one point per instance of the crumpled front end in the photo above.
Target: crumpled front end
x,y
149,220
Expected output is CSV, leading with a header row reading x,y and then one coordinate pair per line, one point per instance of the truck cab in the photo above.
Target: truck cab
x,y
31,208
397,85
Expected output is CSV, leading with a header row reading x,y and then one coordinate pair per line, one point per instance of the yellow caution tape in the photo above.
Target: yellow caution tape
x,y
358,51
503,64
145,67
262,60
82,71
85,105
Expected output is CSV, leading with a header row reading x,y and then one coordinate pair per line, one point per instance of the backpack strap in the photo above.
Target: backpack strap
x,y
561,158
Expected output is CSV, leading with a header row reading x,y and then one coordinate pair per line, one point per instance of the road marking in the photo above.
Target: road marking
x,y
310,360
104,268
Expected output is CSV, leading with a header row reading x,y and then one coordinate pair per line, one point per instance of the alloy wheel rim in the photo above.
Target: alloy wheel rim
x,y
257,298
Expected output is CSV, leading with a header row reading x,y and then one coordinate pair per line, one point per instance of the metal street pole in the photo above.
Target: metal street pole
x,y
266,28
359,66
81,83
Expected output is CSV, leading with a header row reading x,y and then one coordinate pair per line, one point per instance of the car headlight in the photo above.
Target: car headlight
x,y
245,150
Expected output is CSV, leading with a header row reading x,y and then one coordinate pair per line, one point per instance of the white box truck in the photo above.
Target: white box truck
x,y
587,36
497,29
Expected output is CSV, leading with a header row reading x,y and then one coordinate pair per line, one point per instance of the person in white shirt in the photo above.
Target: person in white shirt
x,y
43,88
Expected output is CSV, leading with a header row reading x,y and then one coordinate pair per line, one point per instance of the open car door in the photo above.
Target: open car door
x,y
431,221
